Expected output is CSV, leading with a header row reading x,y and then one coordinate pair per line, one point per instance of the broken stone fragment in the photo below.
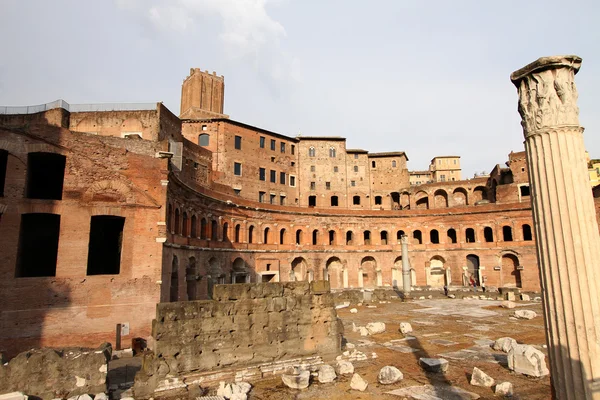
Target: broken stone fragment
x,y
405,328
434,364
527,360
296,381
480,378
239,388
525,314
504,344
388,375
343,305
344,367
353,310
358,383
224,390
326,374
508,304
451,296
510,296
525,297
363,331
504,389
375,328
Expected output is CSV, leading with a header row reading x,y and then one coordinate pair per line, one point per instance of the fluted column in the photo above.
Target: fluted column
x,y
567,240
406,283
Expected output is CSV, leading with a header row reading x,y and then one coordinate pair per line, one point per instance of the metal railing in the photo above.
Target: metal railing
x,y
13,110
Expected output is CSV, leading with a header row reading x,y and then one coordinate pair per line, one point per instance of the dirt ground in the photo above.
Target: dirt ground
x,y
457,322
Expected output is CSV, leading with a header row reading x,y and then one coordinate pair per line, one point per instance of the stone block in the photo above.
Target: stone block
x,y
433,364
375,327
504,389
527,360
504,344
319,287
388,375
296,381
480,378
344,367
525,297
510,296
525,314
326,374
508,304
405,328
358,383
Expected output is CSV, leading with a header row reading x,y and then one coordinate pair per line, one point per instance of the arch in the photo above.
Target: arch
x,y
527,232
282,236
479,193
239,271
334,201
395,198
459,197
315,237
440,198
470,235
332,241
404,200
436,272
397,276
311,151
194,226
267,235
349,238
488,234
418,237
507,233
434,236
472,269
369,273
225,232
214,230
251,234
422,200
511,275
299,236
238,228
215,276
177,222
203,139
203,228
367,237
109,190
174,292
184,225
334,273
399,235
299,269
190,277
451,235
383,236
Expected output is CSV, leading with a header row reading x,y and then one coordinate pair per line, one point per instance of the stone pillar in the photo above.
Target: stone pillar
x,y
406,283
567,240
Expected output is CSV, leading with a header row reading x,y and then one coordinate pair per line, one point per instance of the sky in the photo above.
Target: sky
x,y
430,78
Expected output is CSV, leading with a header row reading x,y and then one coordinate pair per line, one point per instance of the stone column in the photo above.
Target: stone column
x,y
567,240
406,283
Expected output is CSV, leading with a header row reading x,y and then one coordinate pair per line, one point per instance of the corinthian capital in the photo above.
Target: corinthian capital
x,y
547,93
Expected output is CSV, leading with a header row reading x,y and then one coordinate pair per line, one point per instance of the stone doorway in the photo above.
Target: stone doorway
x,y
511,275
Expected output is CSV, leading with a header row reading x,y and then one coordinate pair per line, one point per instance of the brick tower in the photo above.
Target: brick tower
x,y
202,95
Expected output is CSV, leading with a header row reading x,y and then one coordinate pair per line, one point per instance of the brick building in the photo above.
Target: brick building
x,y
107,210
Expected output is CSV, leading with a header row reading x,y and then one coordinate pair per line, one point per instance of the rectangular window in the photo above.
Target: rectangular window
x,y
272,144
356,168
312,168
106,241
238,142
272,199
293,149
237,192
262,174
282,147
273,176
262,142
204,127
261,197
282,178
281,200
443,178
237,169
352,183
45,175
356,156
38,245
313,185
292,181
328,185
335,169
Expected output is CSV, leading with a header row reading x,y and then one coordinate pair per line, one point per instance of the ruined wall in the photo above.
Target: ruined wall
x,y
245,324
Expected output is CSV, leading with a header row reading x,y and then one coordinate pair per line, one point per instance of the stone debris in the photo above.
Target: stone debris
x,y
480,378
358,383
443,342
508,304
527,360
504,344
326,374
363,331
81,397
350,346
430,392
343,305
451,296
296,381
537,299
433,364
101,396
13,396
224,390
209,398
483,297
484,342
354,356
525,297
375,327
510,296
405,328
344,367
353,311
430,297
525,314
504,389
392,345
388,375
421,297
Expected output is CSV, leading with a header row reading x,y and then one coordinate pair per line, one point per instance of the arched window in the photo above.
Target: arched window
x,y
266,236
177,222
356,200
194,229
334,201
225,232
384,237
299,236
507,233
470,235
203,139
332,152
452,235
393,163
349,238
251,234
373,164
237,233
488,234
418,237
311,151
282,236
434,236
527,232
367,237
332,238
399,235
214,230
315,237
184,228
203,229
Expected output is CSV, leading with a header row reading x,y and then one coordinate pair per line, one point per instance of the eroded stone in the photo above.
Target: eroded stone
x,y
389,374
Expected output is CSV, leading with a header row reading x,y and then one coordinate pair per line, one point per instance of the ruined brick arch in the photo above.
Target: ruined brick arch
x,y
299,236
109,190
460,197
334,273
440,198
421,200
194,226
479,194
240,271
43,148
299,269
404,200
369,273
509,264
132,125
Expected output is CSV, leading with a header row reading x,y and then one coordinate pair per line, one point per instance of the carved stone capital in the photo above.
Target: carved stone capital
x,y
547,93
